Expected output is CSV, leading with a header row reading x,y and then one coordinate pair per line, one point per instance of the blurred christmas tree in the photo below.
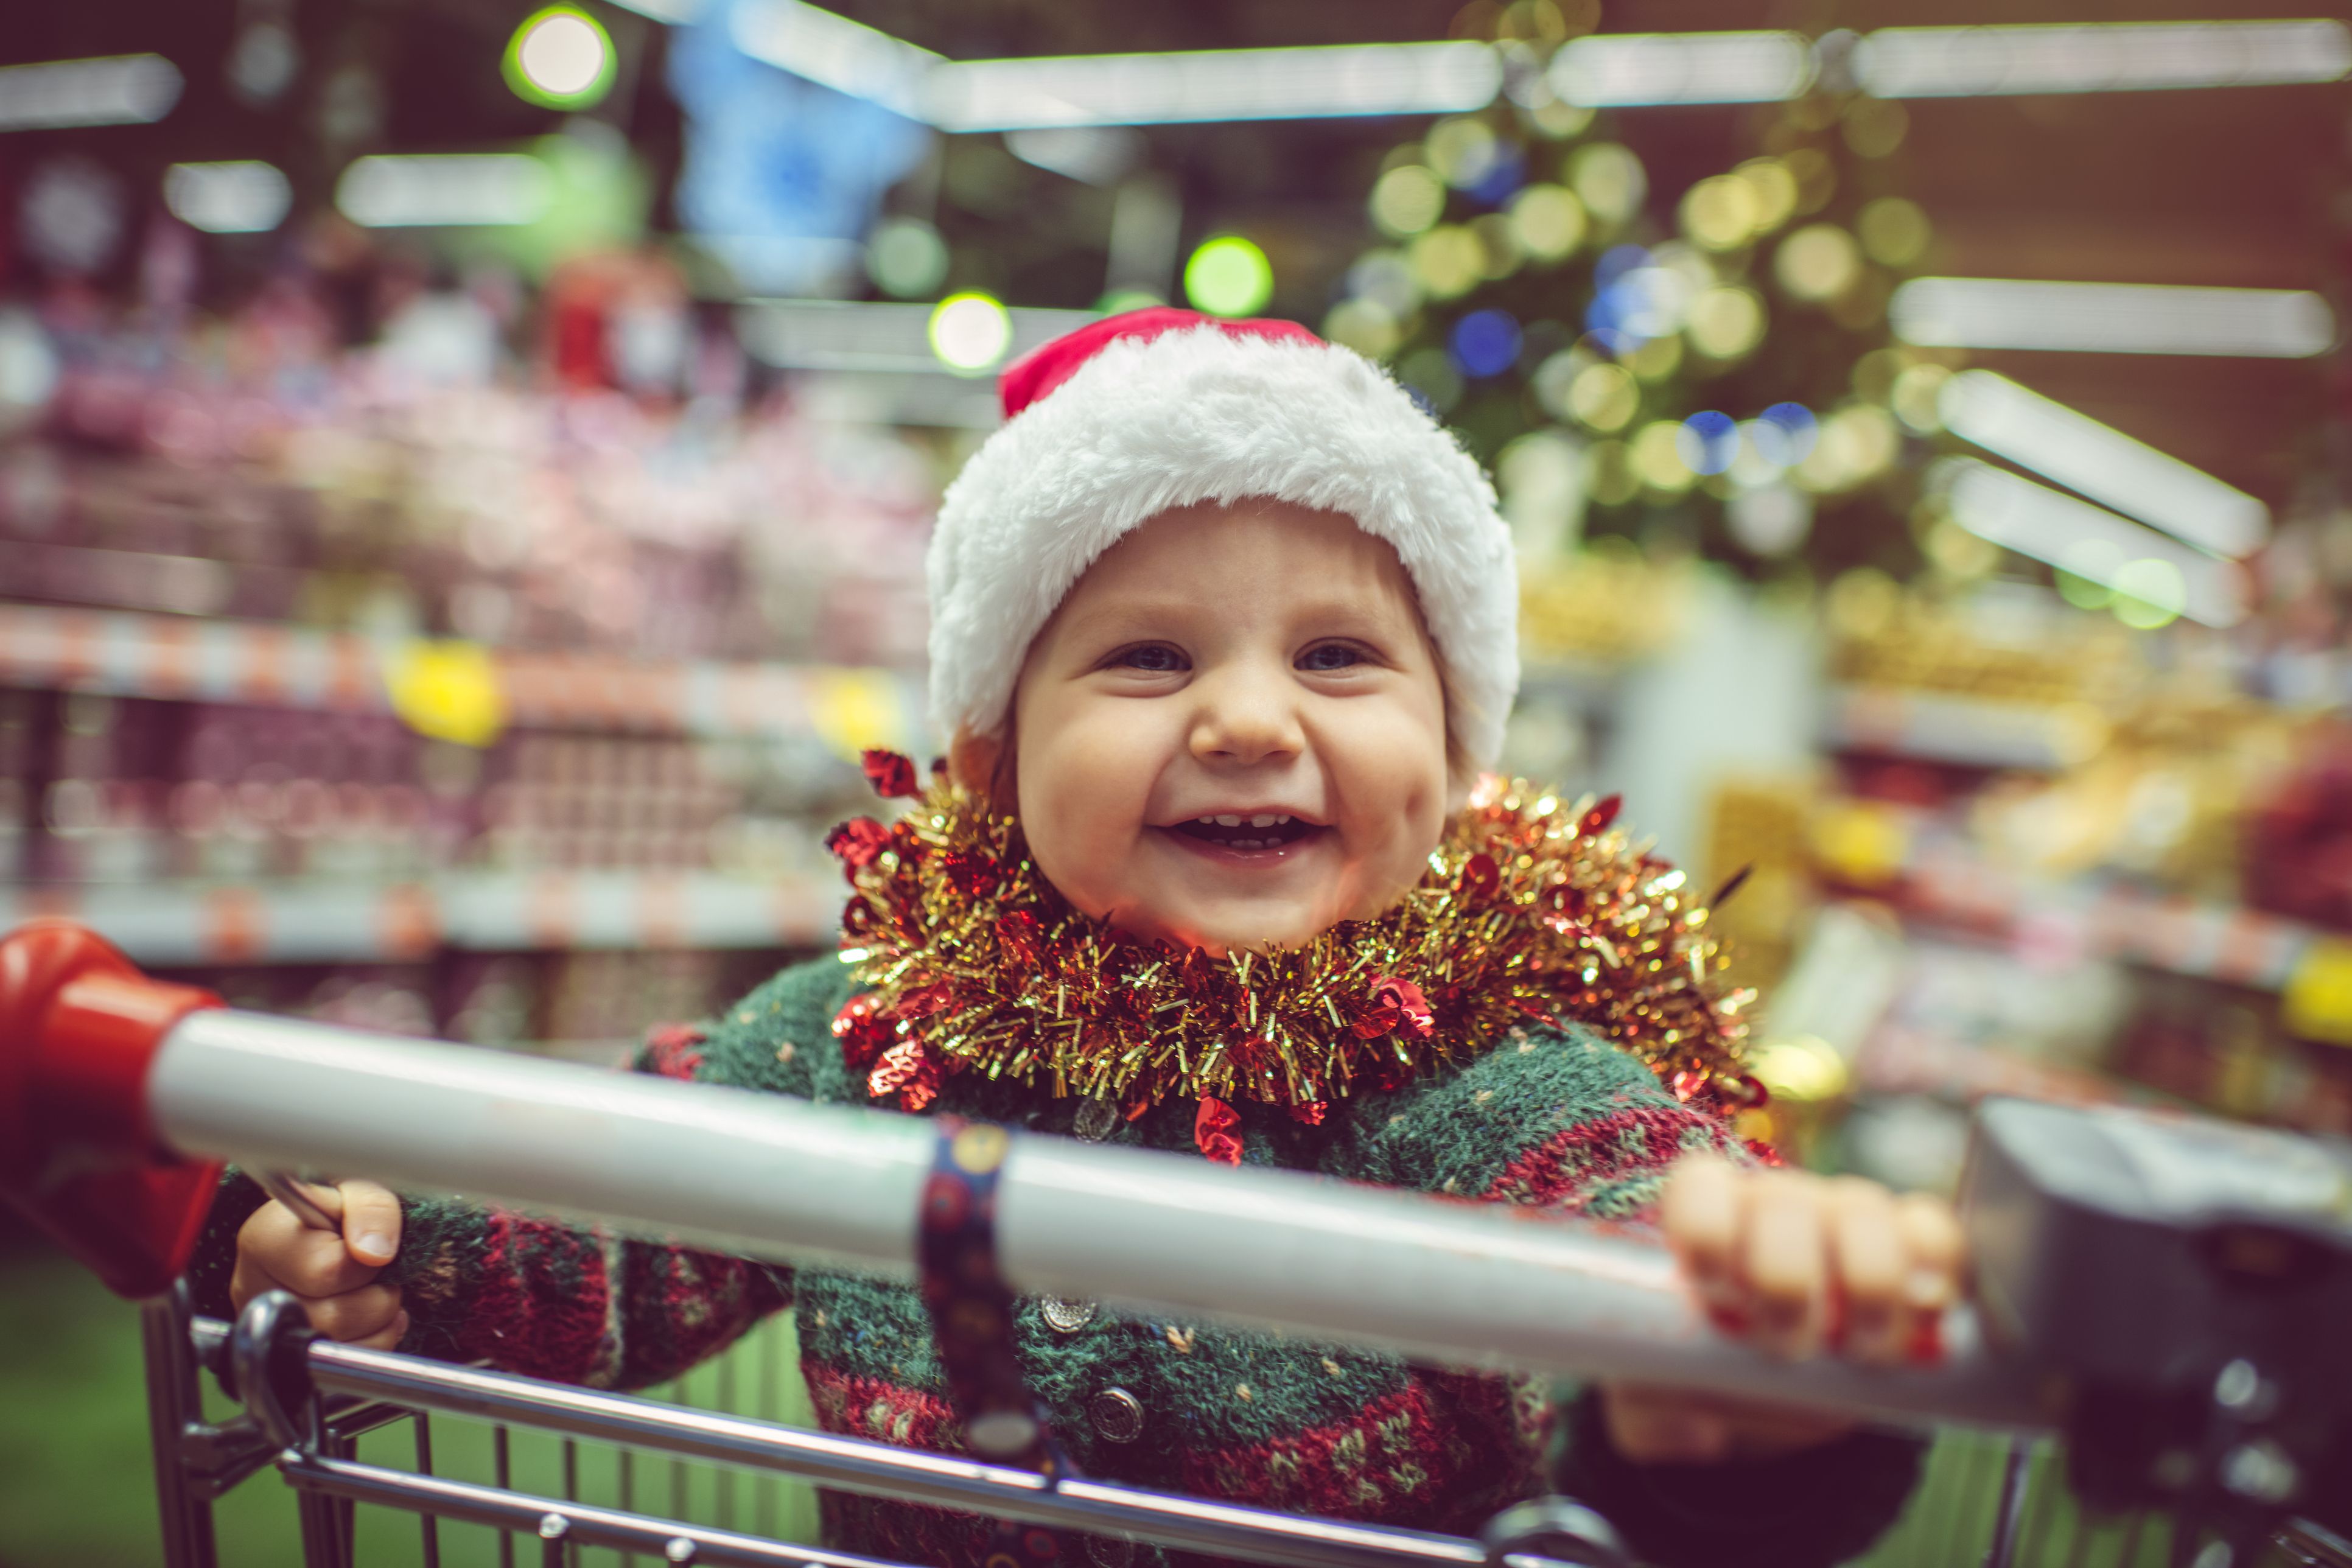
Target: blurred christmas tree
x,y
1710,368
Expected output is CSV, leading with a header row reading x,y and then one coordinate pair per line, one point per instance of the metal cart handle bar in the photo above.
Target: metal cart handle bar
x,y
97,1062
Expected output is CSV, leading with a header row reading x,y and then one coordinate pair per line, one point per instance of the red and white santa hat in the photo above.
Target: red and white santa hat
x,y
1136,415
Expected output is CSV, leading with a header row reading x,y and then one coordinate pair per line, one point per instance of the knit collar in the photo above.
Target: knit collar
x,y
1533,910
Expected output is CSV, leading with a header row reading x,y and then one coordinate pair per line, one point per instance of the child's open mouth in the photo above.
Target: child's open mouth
x,y
1260,831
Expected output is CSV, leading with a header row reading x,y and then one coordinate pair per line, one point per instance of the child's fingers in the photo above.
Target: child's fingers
x,y
1868,1251
1786,1262
1935,1257
371,1222
387,1338
355,1314
288,1254
1701,1212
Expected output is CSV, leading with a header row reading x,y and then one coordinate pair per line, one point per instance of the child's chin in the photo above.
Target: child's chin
x,y
1254,926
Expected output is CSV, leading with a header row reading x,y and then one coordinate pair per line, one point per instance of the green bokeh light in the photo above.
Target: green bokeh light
x,y
1229,277
971,332
560,57
2150,593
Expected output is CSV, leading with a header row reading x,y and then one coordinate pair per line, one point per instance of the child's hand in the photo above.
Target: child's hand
x,y
1794,1263
333,1274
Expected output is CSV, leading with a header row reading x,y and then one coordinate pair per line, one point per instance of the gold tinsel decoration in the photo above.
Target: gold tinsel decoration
x,y
1534,911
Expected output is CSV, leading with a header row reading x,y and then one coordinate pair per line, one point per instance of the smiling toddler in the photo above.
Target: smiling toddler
x,y
1224,632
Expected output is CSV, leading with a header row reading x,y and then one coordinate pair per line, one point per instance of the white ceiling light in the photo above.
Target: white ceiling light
x,y
833,51
2102,463
243,197
2015,513
118,89
1212,84
2111,318
445,190
2100,57
1682,68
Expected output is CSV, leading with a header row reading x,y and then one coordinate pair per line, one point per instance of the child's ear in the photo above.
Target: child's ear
x,y
974,761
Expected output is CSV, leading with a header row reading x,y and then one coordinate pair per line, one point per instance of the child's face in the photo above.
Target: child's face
x,y
1257,663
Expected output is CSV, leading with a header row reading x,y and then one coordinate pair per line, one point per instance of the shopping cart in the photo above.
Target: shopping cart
x,y
114,1089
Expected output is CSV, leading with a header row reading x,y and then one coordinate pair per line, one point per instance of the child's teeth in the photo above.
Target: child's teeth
x,y
1263,821
1229,822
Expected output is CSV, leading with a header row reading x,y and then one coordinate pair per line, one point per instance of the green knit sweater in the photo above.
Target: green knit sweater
x,y
1556,1118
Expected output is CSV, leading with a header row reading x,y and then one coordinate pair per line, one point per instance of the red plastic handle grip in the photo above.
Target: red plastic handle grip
x,y
79,1028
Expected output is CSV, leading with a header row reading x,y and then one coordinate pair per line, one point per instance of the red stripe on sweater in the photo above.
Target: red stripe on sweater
x,y
887,1412
1562,1172
539,1306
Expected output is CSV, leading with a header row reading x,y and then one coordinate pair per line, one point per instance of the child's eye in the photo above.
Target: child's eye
x,y
1152,658
1327,656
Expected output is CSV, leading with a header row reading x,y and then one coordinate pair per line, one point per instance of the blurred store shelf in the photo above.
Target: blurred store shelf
x,y
1967,731
131,655
1873,847
326,921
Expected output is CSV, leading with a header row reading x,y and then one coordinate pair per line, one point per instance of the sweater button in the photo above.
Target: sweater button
x,y
1110,1551
1065,1316
1095,1120
1117,1415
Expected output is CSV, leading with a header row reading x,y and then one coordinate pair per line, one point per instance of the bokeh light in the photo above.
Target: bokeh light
x,y
2149,592
1604,397
1549,222
1773,186
1609,476
1720,213
1484,343
1609,180
906,256
1817,262
1785,434
1407,199
1447,261
1463,152
1657,458
971,332
1894,231
1229,275
1365,325
1724,324
1708,441
560,57
1430,375
1916,396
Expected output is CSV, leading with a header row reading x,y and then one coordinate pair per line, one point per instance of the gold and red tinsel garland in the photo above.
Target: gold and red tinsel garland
x,y
1533,911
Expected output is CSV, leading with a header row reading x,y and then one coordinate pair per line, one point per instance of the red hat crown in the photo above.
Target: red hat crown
x,y
1043,368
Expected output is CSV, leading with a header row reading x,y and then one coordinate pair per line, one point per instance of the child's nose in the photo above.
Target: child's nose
x,y
1244,719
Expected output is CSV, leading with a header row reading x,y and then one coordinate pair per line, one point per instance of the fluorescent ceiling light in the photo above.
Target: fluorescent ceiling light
x,y
246,197
2112,318
1212,84
832,334
445,190
2100,57
1682,68
833,51
2015,513
2102,463
118,89
676,12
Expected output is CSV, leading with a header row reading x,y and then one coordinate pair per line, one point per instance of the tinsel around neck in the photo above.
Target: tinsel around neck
x,y
1533,911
